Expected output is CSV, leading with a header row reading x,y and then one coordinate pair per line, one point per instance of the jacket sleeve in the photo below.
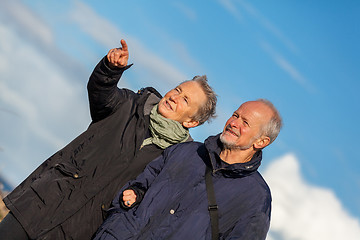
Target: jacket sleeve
x,y
253,228
103,93
142,183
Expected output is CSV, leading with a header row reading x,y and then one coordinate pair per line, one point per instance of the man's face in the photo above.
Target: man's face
x,y
182,103
243,128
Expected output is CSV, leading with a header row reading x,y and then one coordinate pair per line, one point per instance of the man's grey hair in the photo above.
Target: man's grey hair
x,y
208,110
272,128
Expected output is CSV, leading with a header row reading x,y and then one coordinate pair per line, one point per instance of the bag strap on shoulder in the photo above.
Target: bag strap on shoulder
x,y
213,207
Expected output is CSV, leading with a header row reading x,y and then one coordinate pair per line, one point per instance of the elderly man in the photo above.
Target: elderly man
x,y
66,197
169,200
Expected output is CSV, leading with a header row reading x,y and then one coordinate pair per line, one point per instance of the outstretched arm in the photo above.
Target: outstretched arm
x,y
104,95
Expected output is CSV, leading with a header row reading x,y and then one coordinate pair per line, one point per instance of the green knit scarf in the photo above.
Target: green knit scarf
x,y
165,132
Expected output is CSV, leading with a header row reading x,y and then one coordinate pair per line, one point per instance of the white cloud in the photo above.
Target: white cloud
x,y
302,211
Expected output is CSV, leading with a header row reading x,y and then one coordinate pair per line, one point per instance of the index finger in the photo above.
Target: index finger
x,y
124,45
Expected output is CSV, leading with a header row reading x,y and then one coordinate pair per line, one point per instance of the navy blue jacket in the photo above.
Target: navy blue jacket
x,y
175,204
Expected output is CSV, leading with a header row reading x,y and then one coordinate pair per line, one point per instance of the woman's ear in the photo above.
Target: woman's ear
x,y
190,124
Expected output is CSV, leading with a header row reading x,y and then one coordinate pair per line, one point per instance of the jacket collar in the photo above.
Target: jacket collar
x,y
214,147
149,97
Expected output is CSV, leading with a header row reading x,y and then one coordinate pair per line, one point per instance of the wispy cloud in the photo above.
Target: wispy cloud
x,y
186,57
188,12
304,211
23,91
14,91
268,25
42,97
28,21
36,32
288,67
231,8
107,34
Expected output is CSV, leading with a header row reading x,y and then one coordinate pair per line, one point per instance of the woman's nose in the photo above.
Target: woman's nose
x,y
174,97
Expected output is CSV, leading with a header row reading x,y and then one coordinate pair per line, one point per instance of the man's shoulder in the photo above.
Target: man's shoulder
x,y
260,182
188,146
263,196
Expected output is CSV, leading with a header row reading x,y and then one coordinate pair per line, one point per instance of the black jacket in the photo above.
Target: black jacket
x,y
65,197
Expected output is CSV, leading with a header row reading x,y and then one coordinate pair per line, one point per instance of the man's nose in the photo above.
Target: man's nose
x,y
234,124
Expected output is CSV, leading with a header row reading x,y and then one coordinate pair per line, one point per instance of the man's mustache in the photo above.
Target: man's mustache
x,y
230,129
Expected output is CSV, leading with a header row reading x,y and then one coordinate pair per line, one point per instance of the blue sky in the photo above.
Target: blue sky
x,y
301,55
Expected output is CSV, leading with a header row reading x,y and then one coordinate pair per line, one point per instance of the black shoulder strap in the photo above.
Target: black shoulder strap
x,y
213,207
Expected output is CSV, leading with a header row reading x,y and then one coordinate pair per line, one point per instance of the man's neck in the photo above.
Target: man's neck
x,y
232,156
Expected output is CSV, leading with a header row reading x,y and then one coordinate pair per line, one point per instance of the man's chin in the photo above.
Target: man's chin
x,y
224,138
230,145
225,141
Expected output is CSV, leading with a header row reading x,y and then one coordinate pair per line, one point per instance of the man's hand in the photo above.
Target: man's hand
x,y
118,57
129,197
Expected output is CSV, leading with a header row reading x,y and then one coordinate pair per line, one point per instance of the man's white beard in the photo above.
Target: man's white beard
x,y
232,146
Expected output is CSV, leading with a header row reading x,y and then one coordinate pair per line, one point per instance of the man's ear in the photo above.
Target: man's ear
x,y
262,142
190,124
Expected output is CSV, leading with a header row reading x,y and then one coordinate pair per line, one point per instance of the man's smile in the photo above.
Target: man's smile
x,y
230,131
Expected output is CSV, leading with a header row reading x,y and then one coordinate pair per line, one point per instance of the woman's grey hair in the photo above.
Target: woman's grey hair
x,y
208,110
273,127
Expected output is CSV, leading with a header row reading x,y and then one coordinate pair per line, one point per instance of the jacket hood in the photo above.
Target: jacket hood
x,y
214,147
